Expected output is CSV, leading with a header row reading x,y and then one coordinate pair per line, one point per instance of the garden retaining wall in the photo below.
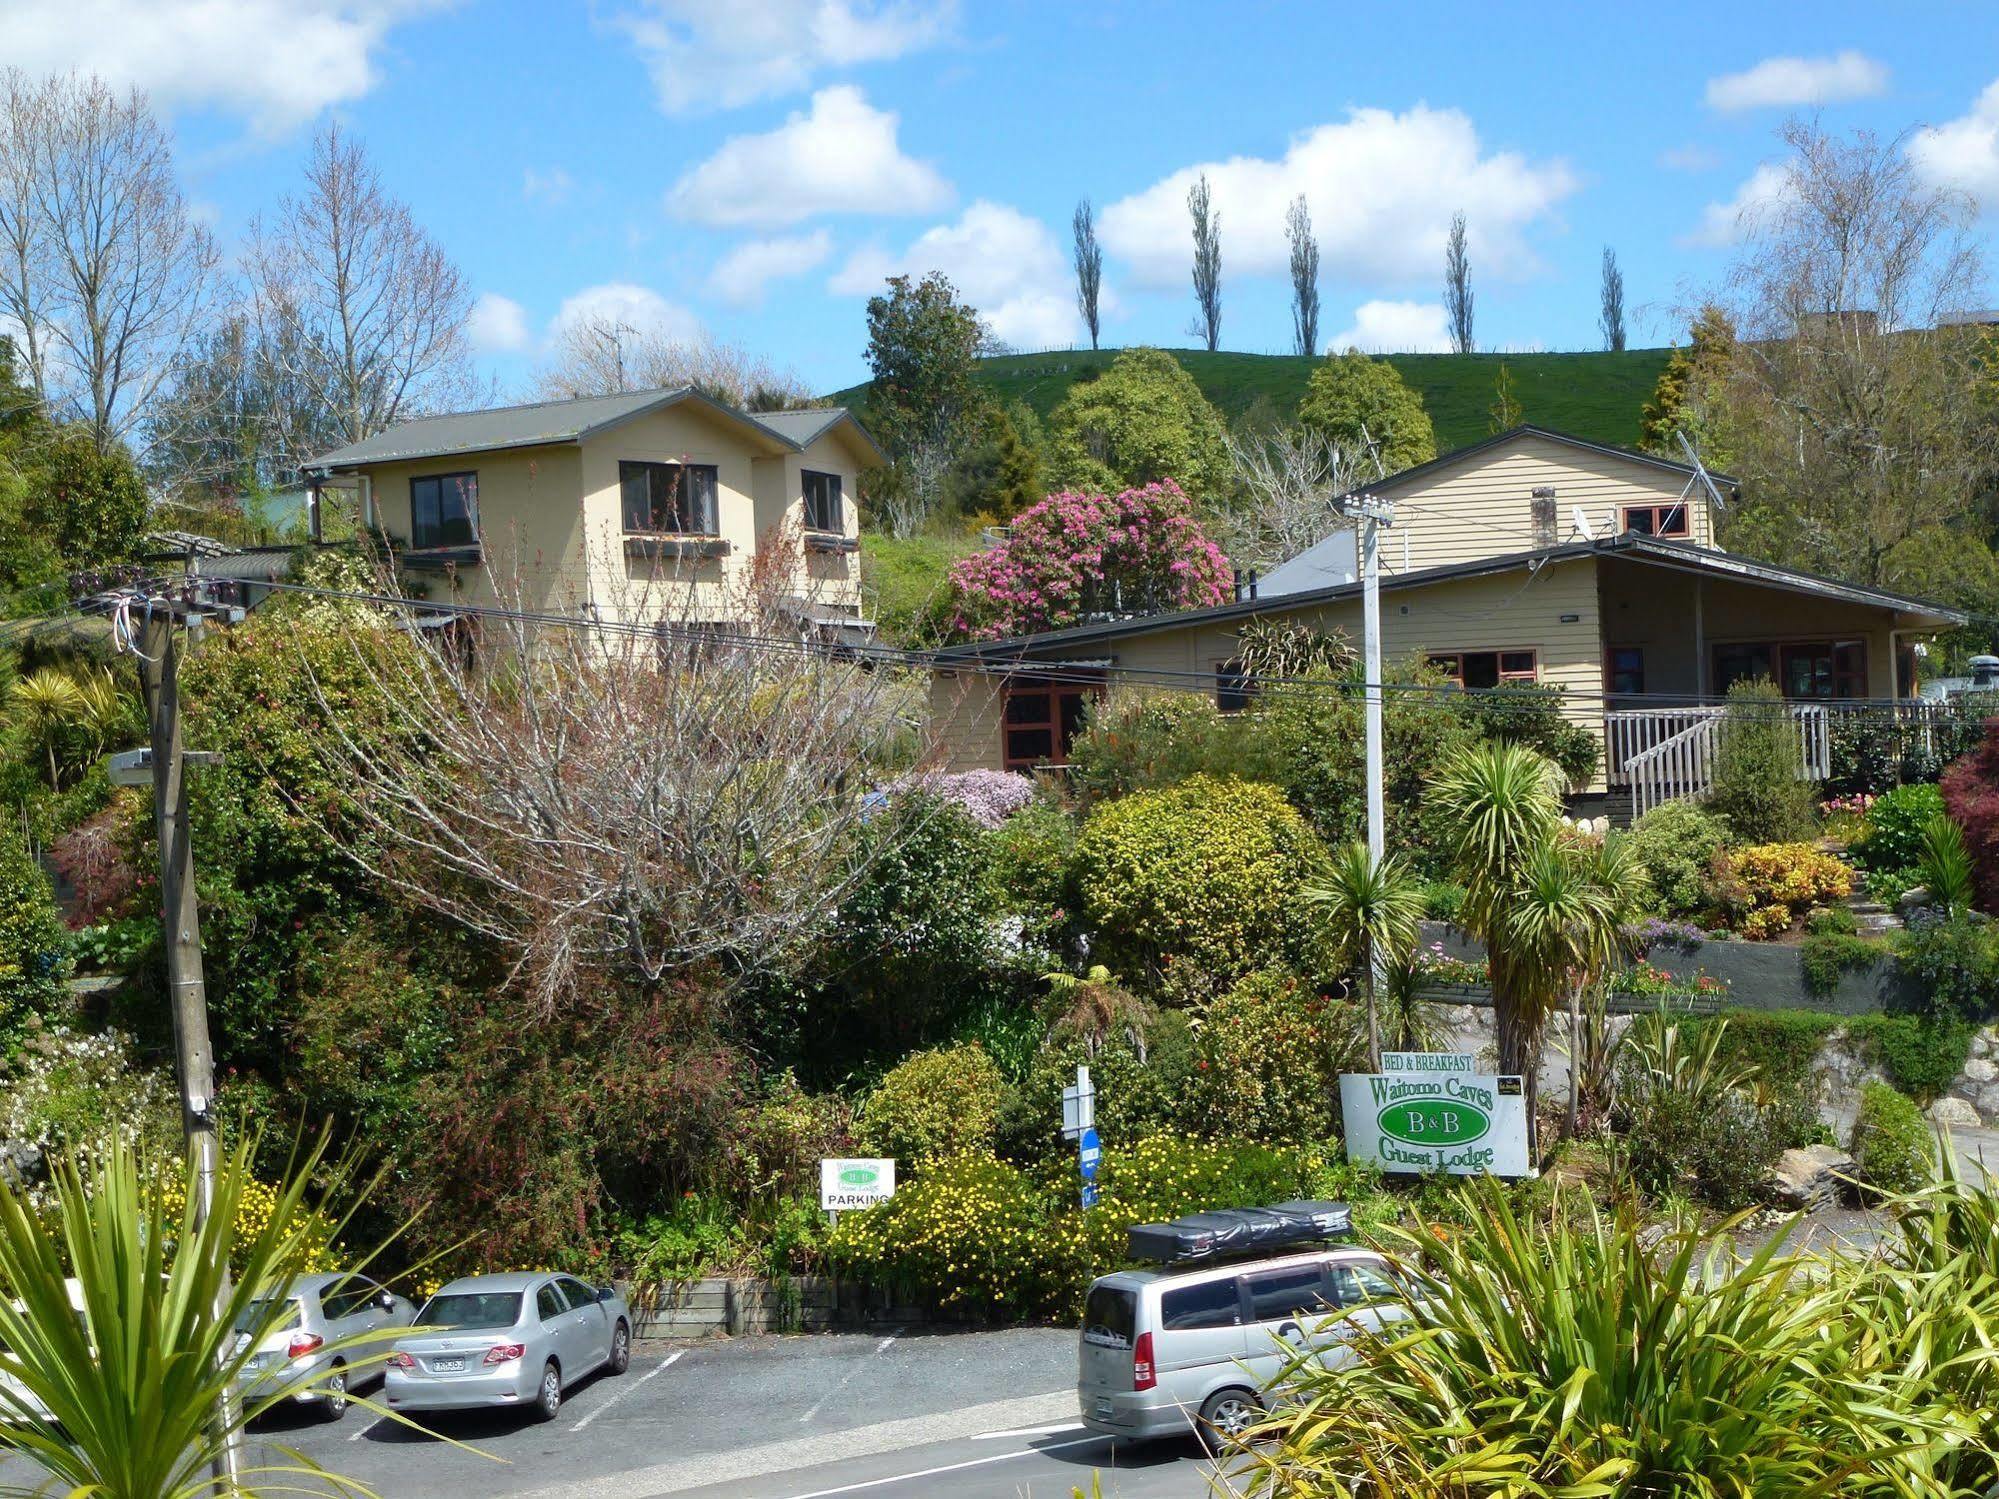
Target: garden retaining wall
x,y
749,1304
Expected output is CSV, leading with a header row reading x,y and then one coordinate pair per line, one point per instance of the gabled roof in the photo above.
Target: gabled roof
x,y
803,428
1549,434
540,423
1645,549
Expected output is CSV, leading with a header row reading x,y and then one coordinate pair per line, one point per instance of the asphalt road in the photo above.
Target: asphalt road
x,y
881,1414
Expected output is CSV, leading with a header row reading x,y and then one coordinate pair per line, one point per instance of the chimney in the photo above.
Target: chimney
x,y
1544,516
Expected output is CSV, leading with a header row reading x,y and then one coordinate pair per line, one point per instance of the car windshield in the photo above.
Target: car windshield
x,y
263,1316
471,1309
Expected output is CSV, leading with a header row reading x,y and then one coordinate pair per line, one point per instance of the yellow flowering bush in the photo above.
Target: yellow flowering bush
x,y
1267,1061
253,1213
1764,889
968,1233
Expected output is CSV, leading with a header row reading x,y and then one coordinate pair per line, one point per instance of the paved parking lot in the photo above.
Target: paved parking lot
x,y
889,1414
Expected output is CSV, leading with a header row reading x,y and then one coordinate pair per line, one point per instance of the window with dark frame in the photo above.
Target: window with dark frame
x,y
1803,669
1475,670
1656,520
444,511
1624,671
822,503
1042,722
1206,1304
1234,687
674,498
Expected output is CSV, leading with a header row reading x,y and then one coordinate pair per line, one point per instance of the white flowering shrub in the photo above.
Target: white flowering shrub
x,y
989,797
74,1091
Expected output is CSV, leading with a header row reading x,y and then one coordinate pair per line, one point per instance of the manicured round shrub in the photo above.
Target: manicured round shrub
x,y
1892,1145
1677,842
1205,875
936,1103
1267,1062
1135,1096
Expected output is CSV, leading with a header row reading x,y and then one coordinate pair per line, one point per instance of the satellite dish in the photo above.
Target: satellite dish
x,y
1582,523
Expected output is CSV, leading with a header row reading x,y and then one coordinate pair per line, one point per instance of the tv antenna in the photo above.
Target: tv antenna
x,y
1699,475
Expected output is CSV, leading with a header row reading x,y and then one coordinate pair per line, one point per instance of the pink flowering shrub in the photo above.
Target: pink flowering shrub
x,y
988,797
1077,555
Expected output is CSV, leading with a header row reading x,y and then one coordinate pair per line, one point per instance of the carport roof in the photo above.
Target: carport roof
x,y
1649,550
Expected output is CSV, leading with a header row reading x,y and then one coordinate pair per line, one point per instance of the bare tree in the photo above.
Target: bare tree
x,y
1855,411
595,356
1457,288
1289,477
107,271
1610,318
1089,256
345,282
1304,277
1207,262
613,804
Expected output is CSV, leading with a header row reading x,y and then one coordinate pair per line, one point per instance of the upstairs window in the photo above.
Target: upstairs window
x,y
1473,670
677,498
444,511
1656,520
822,503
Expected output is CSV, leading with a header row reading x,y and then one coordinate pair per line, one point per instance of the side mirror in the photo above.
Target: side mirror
x,y
386,1301
606,1293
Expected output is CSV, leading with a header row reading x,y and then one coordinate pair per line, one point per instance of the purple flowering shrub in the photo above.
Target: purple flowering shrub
x,y
1075,555
988,797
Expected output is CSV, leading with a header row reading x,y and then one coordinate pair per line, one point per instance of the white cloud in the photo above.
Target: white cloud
x,y
705,55
498,325
1395,328
1782,82
1763,192
1003,262
740,277
550,187
277,62
1381,186
638,308
1688,158
841,157
1963,153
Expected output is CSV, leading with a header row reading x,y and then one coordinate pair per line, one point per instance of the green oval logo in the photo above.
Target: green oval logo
x,y
859,1176
1433,1121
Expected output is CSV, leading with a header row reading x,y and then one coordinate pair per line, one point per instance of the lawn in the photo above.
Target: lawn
x,y
1592,395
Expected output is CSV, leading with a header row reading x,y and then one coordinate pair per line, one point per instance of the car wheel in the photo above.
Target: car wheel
x,y
621,1349
1225,1416
333,1395
548,1399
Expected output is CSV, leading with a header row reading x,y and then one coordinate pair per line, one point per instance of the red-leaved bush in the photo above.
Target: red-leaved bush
x,y
97,876
1971,797
1074,556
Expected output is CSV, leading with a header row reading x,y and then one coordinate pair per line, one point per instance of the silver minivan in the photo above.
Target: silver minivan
x,y
1166,1351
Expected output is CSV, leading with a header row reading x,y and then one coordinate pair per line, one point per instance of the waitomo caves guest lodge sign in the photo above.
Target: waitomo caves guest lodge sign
x,y
1431,1112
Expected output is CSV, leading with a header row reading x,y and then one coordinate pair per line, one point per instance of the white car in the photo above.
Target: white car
x,y
19,1405
331,1329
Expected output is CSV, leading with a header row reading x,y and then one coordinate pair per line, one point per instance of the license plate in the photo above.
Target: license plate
x,y
447,1366
1103,1410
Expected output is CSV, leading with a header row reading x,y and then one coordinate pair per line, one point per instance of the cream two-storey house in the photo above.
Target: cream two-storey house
x,y
638,507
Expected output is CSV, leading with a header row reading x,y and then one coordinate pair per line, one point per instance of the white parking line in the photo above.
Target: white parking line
x,y
664,1364
819,1404
976,1462
1029,1431
357,1435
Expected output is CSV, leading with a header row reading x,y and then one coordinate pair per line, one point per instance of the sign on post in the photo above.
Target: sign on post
x,y
1089,1151
1465,1124
1079,1106
845,1184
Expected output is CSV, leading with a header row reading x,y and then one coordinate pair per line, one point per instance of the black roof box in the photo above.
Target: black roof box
x,y
1229,1232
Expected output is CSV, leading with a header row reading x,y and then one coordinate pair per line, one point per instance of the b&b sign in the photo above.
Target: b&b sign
x,y
845,1184
1436,1118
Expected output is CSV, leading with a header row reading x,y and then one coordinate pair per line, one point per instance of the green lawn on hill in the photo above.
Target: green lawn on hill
x,y
1594,395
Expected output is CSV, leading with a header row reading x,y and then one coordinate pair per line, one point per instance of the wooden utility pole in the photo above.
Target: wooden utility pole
x,y
187,997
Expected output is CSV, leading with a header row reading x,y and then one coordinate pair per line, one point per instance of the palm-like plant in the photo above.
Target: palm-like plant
x,y
48,703
1095,1007
1548,907
1372,908
1944,864
133,1385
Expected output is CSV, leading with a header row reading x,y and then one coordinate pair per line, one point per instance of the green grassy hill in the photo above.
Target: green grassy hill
x,y
1597,396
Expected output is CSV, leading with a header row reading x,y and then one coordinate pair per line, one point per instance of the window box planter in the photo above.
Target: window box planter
x,y
696,547
831,543
440,559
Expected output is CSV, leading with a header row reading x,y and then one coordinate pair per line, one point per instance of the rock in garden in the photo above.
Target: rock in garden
x,y
1912,899
1809,1179
1954,1113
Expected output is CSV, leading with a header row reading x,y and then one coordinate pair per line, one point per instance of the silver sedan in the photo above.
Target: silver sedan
x,y
498,1340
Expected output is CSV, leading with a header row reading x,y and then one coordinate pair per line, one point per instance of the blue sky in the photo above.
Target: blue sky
x,y
756,169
